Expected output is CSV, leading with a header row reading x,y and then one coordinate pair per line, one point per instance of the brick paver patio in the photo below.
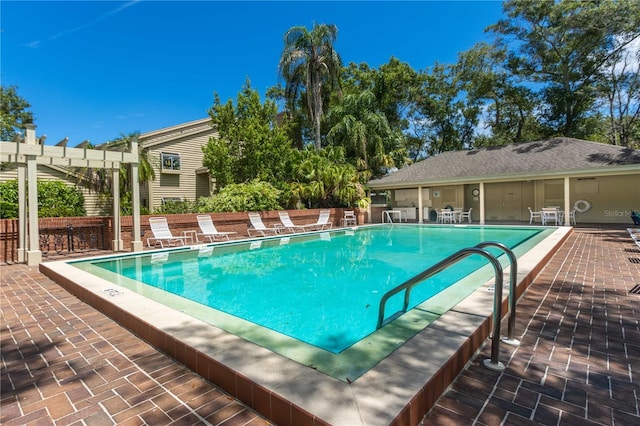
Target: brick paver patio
x,y
579,358
65,363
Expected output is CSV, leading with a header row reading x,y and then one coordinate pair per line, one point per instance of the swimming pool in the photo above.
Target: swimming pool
x,y
321,289
392,375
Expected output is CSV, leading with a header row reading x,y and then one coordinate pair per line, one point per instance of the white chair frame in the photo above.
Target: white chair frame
x,y
162,234
209,230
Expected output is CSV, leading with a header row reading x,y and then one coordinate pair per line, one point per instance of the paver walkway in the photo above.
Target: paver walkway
x,y
65,363
579,358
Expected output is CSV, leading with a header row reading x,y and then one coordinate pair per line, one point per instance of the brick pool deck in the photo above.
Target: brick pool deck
x,y
63,362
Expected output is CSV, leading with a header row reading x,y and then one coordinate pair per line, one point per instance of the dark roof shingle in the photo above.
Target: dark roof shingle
x,y
558,154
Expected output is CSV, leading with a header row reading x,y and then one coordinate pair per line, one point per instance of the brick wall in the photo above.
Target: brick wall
x,y
236,222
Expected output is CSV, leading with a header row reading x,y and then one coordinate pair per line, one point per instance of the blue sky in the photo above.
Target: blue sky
x,y
94,70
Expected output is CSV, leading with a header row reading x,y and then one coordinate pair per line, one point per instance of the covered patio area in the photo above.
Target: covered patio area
x,y
598,182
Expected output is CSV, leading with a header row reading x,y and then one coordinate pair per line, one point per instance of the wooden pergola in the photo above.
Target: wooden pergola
x,y
28,152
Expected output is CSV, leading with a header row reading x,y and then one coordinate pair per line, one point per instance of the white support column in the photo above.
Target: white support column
x,y
567,202
22,213
420,212
136,241
34,255
368,193
116,243
482,213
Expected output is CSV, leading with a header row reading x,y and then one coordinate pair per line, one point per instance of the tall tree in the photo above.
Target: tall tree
x,y
146,171
100,180
509,108
393,84
310,63
564,45
251,145
620,90
325,179
443,118
14,113
365,135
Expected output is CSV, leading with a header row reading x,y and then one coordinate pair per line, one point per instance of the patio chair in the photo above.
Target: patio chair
x,y
457,215
572,217
209,230
290,226
534,215
349,218
466,215
162,234
323,221
258,227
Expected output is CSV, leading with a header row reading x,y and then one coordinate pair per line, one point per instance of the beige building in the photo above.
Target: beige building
x,y
176,155
601,182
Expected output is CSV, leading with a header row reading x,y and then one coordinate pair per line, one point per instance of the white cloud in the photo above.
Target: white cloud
x,y
631,58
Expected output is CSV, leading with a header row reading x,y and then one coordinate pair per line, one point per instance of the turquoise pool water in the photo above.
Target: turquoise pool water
x,y
322,288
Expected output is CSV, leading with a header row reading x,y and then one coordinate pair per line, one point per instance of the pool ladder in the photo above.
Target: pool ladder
x,y
479,249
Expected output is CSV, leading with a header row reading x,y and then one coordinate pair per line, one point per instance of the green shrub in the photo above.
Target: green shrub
x,y
176,207
9,199
8,210
55,199
244,197
125,206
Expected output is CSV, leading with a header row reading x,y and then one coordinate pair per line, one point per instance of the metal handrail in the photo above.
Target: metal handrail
x,y
440,266
513,277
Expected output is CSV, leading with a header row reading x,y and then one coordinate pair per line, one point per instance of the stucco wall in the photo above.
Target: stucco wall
x,y
612,198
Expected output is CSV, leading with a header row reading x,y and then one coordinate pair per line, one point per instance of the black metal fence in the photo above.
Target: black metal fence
x,y
61,240
72,239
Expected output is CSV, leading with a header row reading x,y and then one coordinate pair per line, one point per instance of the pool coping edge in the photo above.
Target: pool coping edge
x,y
290,393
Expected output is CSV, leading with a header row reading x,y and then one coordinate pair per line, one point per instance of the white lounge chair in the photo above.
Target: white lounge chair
x,y
209,230
634,233
323,221
290,226
162,234
258,227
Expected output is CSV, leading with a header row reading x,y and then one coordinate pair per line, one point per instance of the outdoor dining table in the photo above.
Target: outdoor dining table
x,y
552,214
446,216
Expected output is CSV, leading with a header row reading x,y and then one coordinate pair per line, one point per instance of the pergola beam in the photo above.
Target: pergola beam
x,y
16,152
28,152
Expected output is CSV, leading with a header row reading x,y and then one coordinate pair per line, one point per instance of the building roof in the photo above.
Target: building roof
x,y
182,130
529,160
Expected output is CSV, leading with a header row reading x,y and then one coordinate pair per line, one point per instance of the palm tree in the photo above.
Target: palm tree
x,y
310,62
146,171
99,180
326,180
365,134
